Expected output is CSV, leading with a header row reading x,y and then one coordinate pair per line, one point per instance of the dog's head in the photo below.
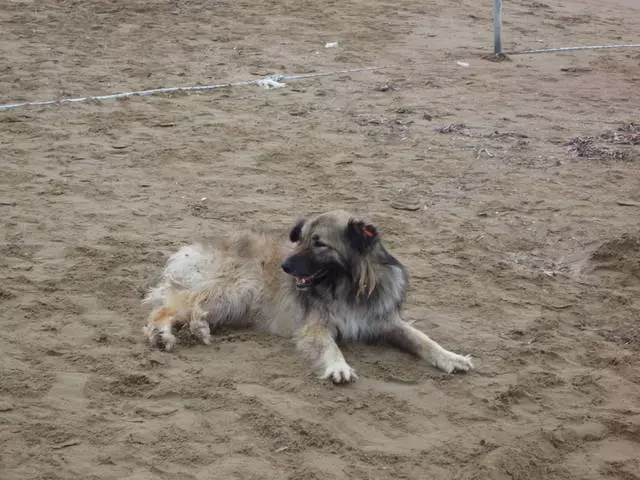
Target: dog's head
x,y
329,246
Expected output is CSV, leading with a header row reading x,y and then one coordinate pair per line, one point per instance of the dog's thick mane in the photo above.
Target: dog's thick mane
x,y
379,277
371,270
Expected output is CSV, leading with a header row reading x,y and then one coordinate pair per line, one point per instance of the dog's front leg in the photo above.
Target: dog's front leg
x,y
412,340
317,343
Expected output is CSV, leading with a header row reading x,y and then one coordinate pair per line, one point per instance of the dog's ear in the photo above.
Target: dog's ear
x,y
361,235
294,235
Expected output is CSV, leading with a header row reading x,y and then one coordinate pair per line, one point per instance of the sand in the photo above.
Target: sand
x,y
511,190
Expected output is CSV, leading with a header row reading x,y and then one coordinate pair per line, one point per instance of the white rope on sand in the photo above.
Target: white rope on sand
x,y
274,81
569,49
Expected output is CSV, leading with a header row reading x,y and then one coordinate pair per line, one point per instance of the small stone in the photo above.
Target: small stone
x,y
5,406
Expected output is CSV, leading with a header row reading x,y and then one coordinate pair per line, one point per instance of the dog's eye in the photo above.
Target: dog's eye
x,y
315,241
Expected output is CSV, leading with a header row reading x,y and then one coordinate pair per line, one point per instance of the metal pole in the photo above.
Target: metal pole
x,y
497,27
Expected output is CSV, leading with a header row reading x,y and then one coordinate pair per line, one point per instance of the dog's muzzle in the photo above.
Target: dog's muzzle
x,y
303,279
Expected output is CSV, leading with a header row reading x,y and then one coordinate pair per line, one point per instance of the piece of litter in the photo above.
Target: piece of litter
x,y
70,443
409,207
628,203
203,199
270,83
281,449
485,151
331,45
463,64
559,307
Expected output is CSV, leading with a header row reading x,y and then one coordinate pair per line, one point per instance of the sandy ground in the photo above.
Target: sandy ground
x,y
510,189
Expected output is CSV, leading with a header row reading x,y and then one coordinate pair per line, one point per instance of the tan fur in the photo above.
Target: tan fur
x,y
238,282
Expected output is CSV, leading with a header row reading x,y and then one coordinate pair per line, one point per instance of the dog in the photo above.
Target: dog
x,y
333,283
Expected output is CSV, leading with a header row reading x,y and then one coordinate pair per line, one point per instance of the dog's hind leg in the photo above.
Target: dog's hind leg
x,y
227,300
411,340
198,324
159,329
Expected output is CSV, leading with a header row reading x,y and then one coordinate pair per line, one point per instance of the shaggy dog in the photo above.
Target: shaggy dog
x,y
334,283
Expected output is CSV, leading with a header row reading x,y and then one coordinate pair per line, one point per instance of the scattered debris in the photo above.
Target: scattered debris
x,y
592,146
271,83
628,203
576,69
585,147
69,443
366,119
410,207
453,128
563,306
346,161
405,110
385,87
500,57
498,134
480,151
628,134
156,411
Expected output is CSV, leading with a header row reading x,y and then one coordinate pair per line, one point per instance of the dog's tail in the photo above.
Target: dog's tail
x,y
185,270
163,291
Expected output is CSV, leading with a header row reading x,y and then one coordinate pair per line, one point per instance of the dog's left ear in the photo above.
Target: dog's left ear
x,y
294,235
361,235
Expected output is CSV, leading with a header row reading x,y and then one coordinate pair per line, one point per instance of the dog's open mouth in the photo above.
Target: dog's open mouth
x,y
303,282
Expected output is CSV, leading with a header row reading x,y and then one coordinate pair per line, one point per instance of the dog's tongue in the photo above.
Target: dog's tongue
x,y
304,280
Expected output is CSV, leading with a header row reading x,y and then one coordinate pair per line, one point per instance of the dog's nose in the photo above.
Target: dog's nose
x,y
286,266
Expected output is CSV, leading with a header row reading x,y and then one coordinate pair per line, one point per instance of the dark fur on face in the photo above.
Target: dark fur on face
x,y
337,249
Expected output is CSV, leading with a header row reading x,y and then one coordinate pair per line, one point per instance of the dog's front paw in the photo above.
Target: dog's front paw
x,y
201,330
160,337
340,372
450,362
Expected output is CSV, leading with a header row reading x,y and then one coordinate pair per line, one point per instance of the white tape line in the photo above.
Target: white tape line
x,y
268,81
